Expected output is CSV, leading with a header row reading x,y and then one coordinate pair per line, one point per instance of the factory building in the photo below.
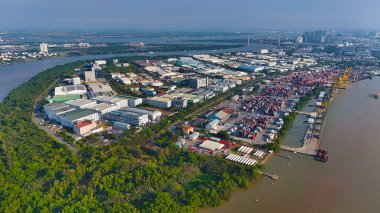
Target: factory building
x,y
99,89
131,118
221,115
219,88
84,128
121,125
149,91
116,100
53,110
179,103
104,108
132,101
82,103
69,119
159,102
64,98
152,115
211,146
70,90
74,81
212,125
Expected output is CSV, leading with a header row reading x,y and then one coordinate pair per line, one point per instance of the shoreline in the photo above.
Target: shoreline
x,y
314,178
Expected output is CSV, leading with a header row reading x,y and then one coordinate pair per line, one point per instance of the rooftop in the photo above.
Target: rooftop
x,y
160,99
64,98
141,111
211,145
54,105
80,102
76,114
102,106
124,113
70,88
83,124
99,87
213,122
128,97
108,99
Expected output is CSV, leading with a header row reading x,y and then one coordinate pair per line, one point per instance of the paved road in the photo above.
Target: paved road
x,y
36,118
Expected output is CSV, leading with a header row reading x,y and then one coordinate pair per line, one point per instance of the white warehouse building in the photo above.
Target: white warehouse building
x,y
104,108
70,90
122,102
82,103
159,102
71,118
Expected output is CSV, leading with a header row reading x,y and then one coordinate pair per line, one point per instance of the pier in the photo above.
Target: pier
x,y
274,177
307,149
305,113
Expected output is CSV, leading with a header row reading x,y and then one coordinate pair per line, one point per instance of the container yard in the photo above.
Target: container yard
x,y
259,117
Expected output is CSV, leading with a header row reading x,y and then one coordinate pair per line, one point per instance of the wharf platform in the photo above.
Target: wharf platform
x,y
274,177
305,113
309,147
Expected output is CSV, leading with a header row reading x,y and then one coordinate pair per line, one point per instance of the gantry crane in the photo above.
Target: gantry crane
x,y
339,82
356,76
343,79
334,87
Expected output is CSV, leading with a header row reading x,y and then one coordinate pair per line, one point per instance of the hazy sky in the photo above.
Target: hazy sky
x,y
189,14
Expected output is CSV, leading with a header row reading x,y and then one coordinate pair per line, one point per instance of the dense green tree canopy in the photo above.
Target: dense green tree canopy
x,y
37,173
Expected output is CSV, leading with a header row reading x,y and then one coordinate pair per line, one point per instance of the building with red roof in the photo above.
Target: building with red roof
x,y
84,127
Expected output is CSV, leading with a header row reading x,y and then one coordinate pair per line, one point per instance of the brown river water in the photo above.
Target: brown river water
x,y
348,182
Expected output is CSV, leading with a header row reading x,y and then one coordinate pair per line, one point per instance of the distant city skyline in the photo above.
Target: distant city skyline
x,y
190,14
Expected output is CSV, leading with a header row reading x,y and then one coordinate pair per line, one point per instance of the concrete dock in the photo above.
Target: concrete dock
x,y
305,113
274,177
309,147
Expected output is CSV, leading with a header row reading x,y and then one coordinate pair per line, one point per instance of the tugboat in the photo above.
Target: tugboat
x,y
321,155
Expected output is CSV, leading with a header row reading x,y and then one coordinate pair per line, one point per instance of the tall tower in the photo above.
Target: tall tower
x,y
248,40
44,48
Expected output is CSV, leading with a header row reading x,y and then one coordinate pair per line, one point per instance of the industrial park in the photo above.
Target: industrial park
x,y
266,91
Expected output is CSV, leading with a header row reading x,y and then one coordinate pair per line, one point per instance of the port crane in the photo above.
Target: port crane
x,y
356,76
339,82
343,78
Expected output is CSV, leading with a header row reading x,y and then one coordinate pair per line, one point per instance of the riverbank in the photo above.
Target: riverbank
x,y
138,160
345,183
14,75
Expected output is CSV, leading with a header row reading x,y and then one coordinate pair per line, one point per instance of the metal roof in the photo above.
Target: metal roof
x,y
211,145
77,114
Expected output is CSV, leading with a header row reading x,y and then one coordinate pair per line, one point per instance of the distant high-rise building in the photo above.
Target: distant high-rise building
x,y
323,39
44,48
300,39
317,36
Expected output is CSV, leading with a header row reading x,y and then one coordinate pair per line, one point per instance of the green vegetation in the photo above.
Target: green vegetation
x,y
143,172
119,48
288,120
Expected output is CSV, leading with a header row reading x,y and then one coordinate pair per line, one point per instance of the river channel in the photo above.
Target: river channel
x,y
348,182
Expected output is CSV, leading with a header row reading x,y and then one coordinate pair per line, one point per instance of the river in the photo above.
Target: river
x,y
348,182
13,75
